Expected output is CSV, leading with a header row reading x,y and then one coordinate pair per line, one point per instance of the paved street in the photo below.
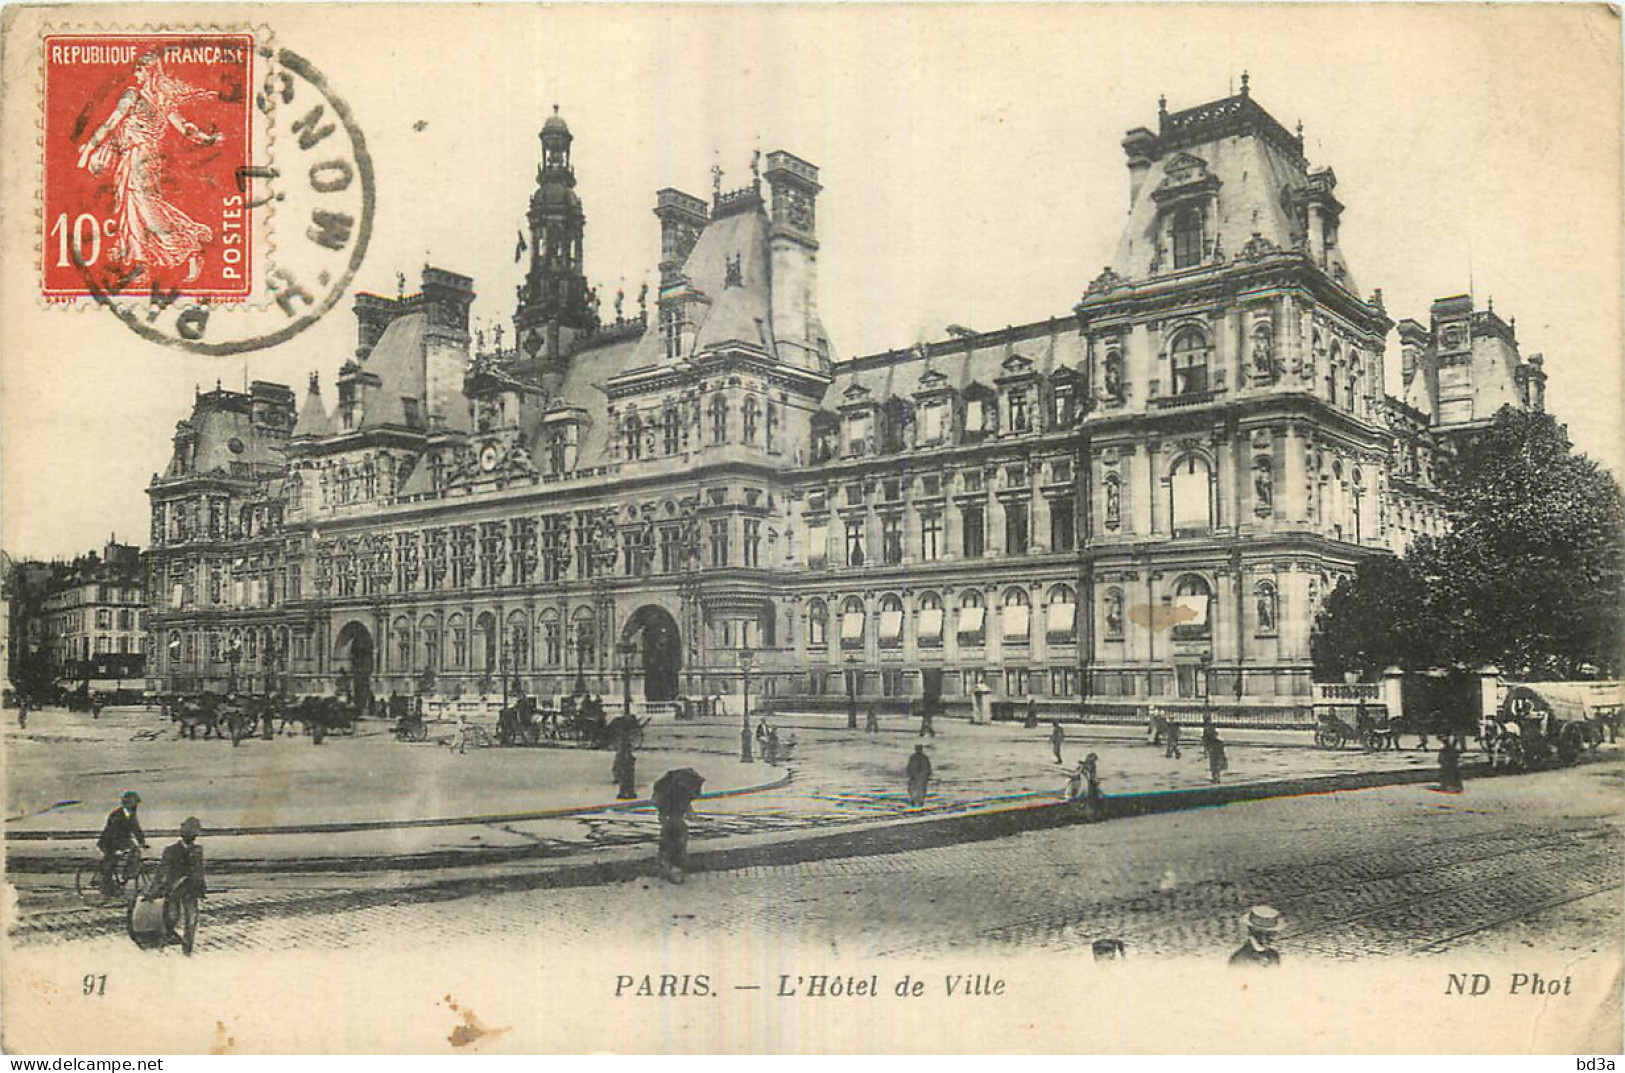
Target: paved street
x,y
1525,861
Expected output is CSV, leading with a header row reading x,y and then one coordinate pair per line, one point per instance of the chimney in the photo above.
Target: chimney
x,y
373,313
1139,144
682,218
446,299
793,256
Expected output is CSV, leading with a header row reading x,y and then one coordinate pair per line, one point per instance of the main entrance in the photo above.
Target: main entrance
x,y
353,661
652,629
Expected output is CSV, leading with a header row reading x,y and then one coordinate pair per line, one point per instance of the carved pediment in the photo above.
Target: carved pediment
x,y
933,380
856,393
1016,365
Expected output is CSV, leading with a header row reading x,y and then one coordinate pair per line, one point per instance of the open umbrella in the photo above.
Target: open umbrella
x,y
676,789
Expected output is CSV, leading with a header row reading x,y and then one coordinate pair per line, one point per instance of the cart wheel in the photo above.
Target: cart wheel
x,y
1326,739
88,882
418,732
1372,741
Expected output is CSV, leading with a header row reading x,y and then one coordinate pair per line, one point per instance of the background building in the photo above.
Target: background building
x,y
78,620
1146,496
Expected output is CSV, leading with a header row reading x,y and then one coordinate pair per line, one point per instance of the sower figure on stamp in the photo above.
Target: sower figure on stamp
x,y
180,884
152,233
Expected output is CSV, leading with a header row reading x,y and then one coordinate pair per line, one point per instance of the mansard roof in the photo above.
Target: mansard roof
x,y
958,363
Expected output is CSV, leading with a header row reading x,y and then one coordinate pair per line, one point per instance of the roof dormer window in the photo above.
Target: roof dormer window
x,y
1187,237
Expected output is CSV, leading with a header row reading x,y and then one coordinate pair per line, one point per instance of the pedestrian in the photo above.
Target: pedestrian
x,y
919,776
121,835
1153,725
927,716
1032,714
674,794
1450,766
872,723
1170,734
180,883
1074,783
96,706
1057,738
22,712
1435,723
761,732
624,770
770,748
1263,923
1213,746
1094,807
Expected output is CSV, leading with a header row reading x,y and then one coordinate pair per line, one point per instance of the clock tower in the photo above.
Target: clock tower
x,y
555,305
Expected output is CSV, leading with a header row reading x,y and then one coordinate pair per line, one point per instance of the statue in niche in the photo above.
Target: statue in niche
x,y
1114,614
1114,505
1263,482
1263,355
1114,377
1266,609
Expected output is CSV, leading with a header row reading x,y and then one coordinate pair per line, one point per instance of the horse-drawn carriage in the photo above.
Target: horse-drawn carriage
x,y
1542,725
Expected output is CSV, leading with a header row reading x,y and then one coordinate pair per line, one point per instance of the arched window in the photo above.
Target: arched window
x,y
1264,608
1061,616
402,628
972,618
457,634
1190,486
1189,359
719,418
1187,237
817,625
428,644
552,638
929,633
518,641
751,412
1016,621
891,621
852,623
1191,611
485,629
584,636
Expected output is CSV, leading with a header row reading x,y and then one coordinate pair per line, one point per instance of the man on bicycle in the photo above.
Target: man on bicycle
x,y
121,836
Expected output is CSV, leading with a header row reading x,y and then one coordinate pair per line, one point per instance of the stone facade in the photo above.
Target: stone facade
x,y
1147,497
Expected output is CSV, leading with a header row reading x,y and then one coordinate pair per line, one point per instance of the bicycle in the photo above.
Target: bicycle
x,y
130,876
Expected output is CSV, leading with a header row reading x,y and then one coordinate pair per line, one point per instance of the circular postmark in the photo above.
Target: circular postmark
x,y
311,203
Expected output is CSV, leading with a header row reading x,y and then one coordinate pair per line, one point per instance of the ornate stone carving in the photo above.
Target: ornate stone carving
x,y
1105,283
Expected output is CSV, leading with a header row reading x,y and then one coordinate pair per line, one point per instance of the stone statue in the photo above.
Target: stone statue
x,y
1263,482
620,298
1263,355
1114,614
1266,610
1114,505
1114,377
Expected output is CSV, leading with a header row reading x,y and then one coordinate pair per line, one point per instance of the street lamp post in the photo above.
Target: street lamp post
x,y
745,657
852,692
1207,689
628,649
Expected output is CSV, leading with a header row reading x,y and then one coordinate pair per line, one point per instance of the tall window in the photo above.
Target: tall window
x,y
929,634
1020,417
891,540
817,625
1061,533
753,542
931,537
1192,608
751,413
1187,237
772,442
854,542
1062,614
891,621
719,542
1015,528
719,418
634,436
852,623
857,434
670,425
1016,624
974,538
972,616
1192,497
1189,363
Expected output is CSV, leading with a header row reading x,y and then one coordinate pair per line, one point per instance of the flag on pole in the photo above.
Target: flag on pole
x,y
519,250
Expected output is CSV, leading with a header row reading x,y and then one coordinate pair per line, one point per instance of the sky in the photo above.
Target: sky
x,y
972,171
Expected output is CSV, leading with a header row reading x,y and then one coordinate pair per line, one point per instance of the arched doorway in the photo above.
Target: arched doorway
x,y
353,662
660,648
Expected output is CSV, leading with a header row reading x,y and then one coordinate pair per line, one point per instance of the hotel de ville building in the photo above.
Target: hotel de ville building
x,y
1141,499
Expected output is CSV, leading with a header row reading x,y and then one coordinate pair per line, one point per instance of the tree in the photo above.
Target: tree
x,y
1530,577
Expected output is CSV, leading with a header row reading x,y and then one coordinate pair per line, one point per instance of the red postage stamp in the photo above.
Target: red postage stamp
x,y
147,142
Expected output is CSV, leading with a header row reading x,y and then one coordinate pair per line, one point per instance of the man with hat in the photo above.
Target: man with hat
x,y
1263,924
180,883
121,835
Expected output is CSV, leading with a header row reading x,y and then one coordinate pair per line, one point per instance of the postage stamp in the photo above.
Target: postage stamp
x,y
147,139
